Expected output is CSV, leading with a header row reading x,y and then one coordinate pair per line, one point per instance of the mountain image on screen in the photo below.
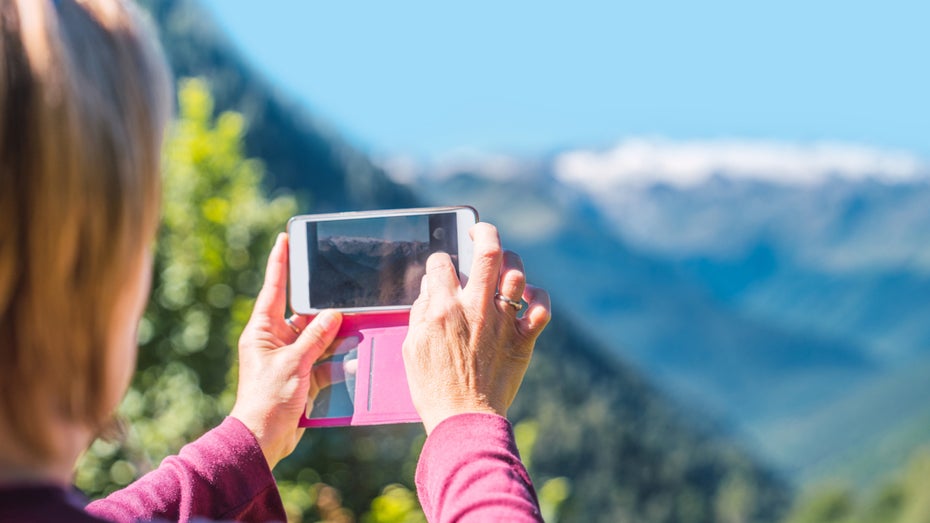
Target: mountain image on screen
x,y
367,272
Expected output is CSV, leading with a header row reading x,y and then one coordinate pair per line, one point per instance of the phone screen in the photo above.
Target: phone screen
x,y
375,262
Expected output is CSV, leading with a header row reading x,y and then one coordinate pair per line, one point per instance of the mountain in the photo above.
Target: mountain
x,y
626,451
652,310
782,287
843,259
840,257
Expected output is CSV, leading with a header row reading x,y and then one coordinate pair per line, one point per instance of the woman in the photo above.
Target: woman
x,y
84,99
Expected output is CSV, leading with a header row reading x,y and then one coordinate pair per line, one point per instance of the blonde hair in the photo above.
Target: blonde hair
x,y
84,97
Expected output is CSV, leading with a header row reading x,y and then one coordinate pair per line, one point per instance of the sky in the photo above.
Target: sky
x,y
426,79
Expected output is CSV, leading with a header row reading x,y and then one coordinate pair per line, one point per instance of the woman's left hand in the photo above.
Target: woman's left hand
x,y
275,362
468,348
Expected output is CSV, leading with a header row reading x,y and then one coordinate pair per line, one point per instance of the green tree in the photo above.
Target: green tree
x,y
396,504
904,498
828,504
552,492
217,229
216,232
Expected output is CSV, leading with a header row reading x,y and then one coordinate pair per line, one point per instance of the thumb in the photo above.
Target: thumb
x,y
317,336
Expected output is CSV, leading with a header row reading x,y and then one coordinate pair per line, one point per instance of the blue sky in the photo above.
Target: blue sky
x,y
426,78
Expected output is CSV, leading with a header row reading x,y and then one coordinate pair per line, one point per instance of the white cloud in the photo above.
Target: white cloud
x,y
501,167
493,166
401,169
642,162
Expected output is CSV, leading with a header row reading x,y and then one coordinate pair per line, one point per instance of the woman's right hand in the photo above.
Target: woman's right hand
x,y
276,372
467,350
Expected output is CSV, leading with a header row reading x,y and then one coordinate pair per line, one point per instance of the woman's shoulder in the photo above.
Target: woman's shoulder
x,y
41,504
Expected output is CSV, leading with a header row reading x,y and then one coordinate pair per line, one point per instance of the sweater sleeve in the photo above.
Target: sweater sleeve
x,y
470,470
221,476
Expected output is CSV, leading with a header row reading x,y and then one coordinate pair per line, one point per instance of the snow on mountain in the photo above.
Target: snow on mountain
x,y
642,162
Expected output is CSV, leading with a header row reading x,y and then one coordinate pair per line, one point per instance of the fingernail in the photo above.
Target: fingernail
x,y
279,238
436,260
327,319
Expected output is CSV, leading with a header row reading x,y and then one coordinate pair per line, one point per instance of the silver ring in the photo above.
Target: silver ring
x,y
517,305
292,326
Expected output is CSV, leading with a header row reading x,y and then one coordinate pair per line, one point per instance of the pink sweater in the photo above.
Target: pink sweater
x,y
469,471
222,476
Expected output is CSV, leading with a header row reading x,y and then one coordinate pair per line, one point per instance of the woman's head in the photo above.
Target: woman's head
x,y
84,98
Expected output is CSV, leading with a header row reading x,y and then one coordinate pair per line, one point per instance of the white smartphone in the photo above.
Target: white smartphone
x,y
374,260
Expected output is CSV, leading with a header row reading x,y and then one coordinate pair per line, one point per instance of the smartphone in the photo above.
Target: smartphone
x,y
372,261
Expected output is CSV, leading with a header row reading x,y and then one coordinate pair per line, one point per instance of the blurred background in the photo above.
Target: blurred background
x,y
729,203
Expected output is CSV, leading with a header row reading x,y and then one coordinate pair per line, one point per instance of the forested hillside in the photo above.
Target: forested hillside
x,y
601,442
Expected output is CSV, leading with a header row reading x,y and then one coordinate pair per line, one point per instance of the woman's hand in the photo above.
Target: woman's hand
x,y
467,350
275,362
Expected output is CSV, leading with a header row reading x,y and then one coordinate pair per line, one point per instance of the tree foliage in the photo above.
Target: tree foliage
x,y
217,227
905,498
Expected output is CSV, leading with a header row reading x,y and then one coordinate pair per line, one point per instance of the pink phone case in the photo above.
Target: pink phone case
x,y
378,388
